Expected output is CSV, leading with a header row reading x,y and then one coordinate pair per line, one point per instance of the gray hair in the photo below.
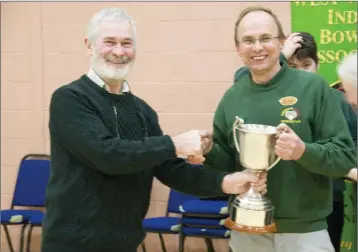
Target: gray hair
x,y
347,69
108,14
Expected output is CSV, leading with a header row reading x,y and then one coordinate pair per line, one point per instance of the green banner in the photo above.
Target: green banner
x,y
334,26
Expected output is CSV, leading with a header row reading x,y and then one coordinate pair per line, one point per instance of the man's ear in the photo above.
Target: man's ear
x,y
282,42
89,46
237,49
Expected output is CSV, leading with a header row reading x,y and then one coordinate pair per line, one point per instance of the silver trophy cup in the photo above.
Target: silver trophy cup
x,y
252,212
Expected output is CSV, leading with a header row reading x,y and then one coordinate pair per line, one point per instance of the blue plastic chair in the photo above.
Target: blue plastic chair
x,y
204,218
167,224
34,221
206,208
208,228
33,174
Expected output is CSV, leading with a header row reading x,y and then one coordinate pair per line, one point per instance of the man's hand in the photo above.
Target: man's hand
x,y
206,145
197,159
292,43
239,182
206,141
188,143
193,143
352,174
288,145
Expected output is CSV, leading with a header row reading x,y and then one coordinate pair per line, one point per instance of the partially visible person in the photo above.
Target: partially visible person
x,y
347,72
311,149
106,148
353,174
351,116
305,58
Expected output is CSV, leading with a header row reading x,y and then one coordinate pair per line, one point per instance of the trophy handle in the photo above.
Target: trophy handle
x,y
274,163
238,121
278,158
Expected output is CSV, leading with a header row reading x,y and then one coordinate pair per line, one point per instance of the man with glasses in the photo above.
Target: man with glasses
x,y
315,146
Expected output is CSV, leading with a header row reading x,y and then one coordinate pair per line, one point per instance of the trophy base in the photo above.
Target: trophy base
x,y
251,213
230,224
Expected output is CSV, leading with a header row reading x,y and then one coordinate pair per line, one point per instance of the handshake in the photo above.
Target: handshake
x,y
192,145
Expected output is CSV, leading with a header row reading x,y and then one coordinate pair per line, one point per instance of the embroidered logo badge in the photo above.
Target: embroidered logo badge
x,y
291,114
288,101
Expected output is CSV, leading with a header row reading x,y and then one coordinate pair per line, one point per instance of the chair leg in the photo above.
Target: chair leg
x,y
8,238
143,247
22,237
209,245
181,240
29,235
164,249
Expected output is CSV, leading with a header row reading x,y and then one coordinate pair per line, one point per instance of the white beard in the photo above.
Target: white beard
x,y
105,70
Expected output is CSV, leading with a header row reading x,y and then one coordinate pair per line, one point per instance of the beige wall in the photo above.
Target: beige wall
x,y
185,62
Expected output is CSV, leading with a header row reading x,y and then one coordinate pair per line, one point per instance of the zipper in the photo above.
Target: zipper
x,y
116,115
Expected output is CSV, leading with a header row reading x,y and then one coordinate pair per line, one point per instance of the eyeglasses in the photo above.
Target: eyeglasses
x,y
264,40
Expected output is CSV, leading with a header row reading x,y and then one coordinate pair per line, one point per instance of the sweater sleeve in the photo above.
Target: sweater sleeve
x,y
195,180
332,153
221,156
187,178
76,126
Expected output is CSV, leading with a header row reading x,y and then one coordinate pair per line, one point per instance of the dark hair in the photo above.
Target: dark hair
x,y
250,9
308,48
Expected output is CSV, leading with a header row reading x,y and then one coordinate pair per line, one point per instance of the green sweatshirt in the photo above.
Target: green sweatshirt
x,y
301,190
